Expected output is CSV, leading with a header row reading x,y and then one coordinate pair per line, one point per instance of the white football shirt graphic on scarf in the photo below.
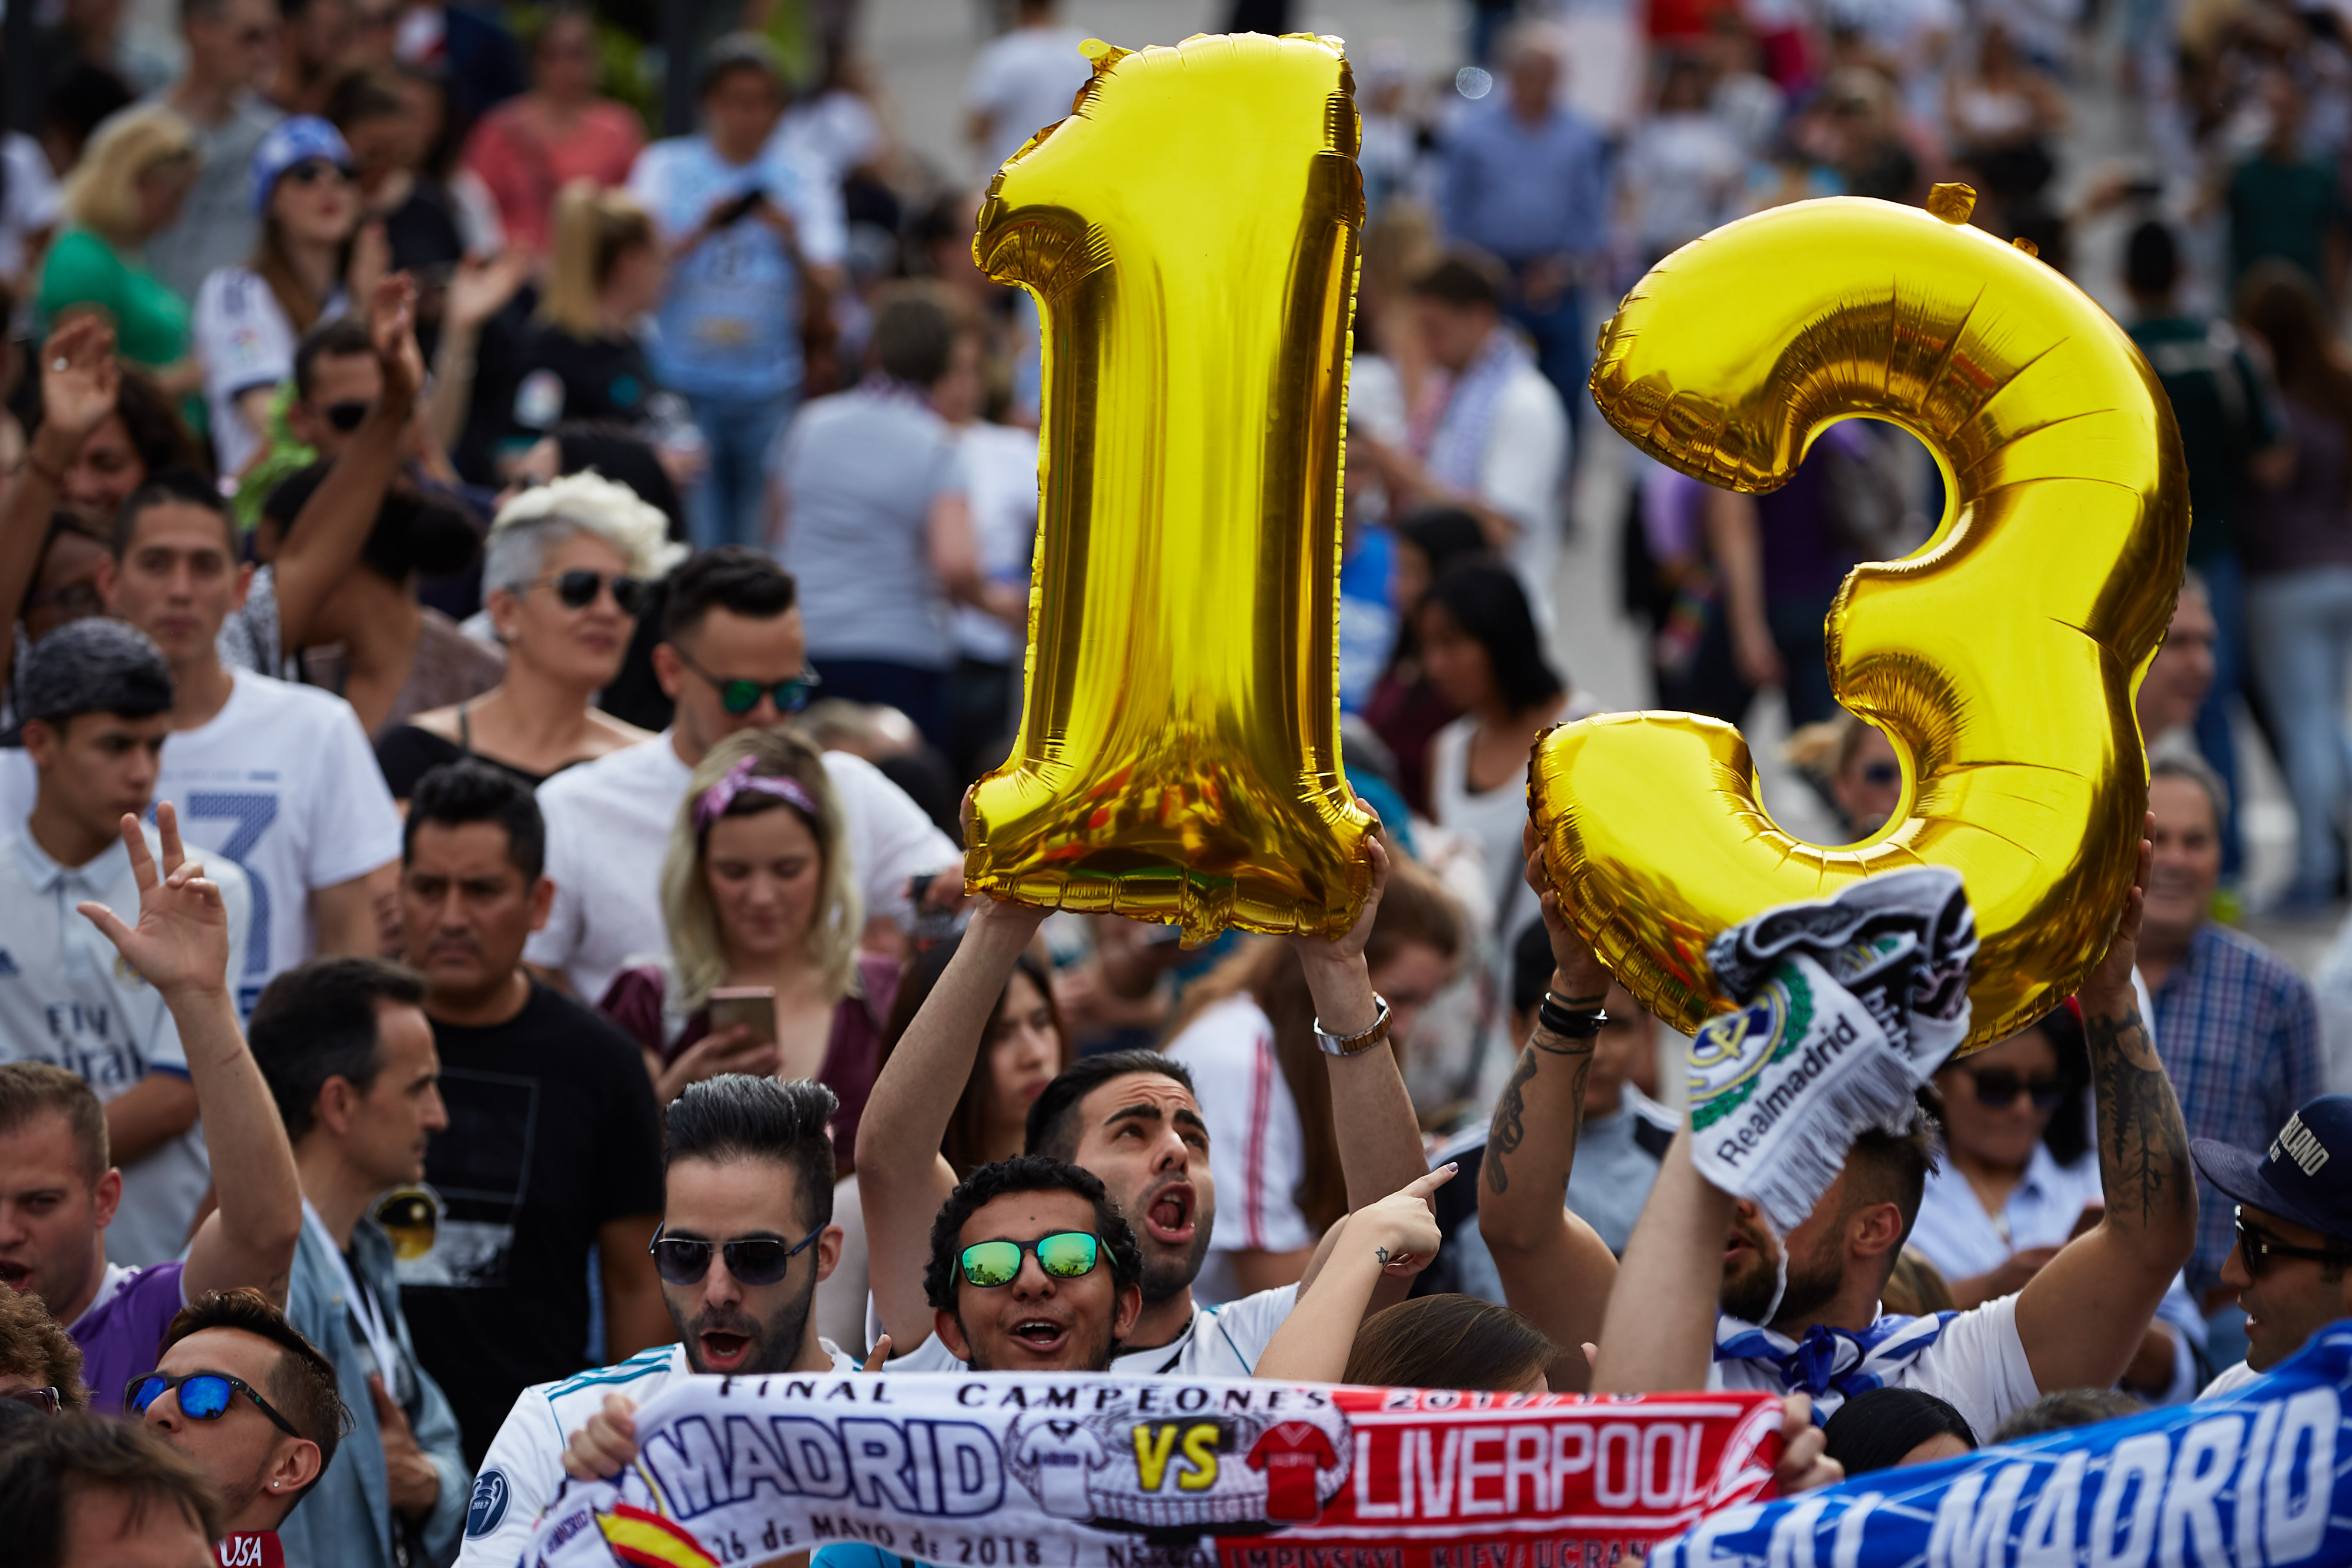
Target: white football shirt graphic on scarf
x,y
1852,1002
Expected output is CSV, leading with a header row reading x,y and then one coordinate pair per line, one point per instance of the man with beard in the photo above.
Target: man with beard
x,y
1131,1120
553,1154
1033,1269
747,1232
1801,1315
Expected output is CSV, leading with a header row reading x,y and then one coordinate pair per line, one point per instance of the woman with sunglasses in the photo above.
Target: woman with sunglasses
x,y
307,267
2019,1178
758,895
564,567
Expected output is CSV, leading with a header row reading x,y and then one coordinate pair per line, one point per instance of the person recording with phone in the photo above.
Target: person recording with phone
x,y
763,974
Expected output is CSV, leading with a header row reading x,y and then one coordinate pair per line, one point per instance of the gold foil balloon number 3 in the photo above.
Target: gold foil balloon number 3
x,y
2001,658
1190,234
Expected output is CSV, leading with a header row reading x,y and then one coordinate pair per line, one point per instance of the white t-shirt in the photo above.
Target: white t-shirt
x,y
1495,820
1224,1341
282,784
1062,1453
1522,471
1023,81
1978,1367
1257,1150
33,202
608,827
2229,1380
67,998
999,470
523,1469
242,335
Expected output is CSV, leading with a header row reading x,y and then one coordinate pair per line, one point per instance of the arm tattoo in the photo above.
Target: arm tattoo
x,y
1508,1129
1383,1255
2143,1144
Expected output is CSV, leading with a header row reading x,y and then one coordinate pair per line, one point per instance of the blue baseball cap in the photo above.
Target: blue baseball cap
x,y
2291,1179
295,140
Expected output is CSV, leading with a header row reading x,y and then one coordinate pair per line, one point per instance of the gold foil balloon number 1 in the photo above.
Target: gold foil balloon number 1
x,y
2001,658
1190,234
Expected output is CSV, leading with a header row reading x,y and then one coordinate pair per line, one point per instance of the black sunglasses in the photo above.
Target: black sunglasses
x,y
346,416
752,1259
1998,1088
203,1395
739,697
42,1399
578,589
311,171
1882,772
2259,1247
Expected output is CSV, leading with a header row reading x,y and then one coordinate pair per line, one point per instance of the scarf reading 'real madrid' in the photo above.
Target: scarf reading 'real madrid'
x,y
1852,1002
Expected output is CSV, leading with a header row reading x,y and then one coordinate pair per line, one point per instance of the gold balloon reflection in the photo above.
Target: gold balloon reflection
x,y
2001,658
1190,234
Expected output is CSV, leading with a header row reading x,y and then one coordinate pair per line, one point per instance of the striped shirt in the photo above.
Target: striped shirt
x,y
2239,1033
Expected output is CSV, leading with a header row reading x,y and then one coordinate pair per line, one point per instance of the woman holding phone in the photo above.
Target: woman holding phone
x,y
763,973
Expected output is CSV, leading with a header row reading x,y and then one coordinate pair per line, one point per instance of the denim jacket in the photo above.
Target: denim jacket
x,y
346,1521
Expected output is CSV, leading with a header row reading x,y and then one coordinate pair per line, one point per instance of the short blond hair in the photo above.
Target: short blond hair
x,y
102,193
697,946
583,502
591,227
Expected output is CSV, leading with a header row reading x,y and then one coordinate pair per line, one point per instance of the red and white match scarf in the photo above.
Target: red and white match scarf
x,y
1092,1471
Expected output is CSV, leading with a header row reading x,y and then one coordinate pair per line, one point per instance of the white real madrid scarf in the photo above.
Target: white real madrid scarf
x,y
1852,1002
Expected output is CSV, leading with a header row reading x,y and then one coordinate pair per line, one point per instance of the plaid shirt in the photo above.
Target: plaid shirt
x,y
2239,1033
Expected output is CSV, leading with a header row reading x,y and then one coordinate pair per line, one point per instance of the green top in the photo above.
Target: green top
x,y
150,322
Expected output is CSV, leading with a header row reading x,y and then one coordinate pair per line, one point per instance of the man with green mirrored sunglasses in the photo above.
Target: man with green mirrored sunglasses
x,y
1033,1269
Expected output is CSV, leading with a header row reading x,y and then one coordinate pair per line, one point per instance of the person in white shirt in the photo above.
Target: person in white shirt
x,y
1132,1119
1500,449
1247,1029
1000,473
249,315
99,703
275,779
1708,1296
747,1232
733,654
1022,83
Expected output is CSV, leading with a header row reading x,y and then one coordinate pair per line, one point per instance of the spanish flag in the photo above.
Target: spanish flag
x,y
646,1540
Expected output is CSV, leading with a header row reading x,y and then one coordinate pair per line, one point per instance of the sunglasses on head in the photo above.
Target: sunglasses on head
x,y
1064,1255
739,697
1998,1088
751,1260
346,416
578,589
42,1399
2259,1247
203,1395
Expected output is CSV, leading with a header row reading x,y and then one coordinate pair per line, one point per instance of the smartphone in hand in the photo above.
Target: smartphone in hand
x,y
754,1006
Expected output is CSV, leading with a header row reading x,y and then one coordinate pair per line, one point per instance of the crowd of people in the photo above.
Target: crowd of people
x,y
508,606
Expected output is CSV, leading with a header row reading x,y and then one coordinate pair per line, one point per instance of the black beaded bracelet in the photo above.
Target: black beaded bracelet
x,y
1568,1022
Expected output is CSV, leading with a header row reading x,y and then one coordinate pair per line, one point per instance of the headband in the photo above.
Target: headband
x,y
719,795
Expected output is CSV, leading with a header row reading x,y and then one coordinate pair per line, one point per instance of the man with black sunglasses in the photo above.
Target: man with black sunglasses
x,y
733,654
2291,1262
251,1401
747,1232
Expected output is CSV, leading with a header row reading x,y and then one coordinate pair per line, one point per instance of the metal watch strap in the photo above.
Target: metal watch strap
x,y
1355,1044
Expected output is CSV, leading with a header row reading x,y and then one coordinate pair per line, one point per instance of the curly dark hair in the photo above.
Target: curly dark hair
x,y
1027,1173
33,1345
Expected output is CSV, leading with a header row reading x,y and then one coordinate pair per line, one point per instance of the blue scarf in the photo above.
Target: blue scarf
x,y
1832,1364
1459,444
2251,1478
